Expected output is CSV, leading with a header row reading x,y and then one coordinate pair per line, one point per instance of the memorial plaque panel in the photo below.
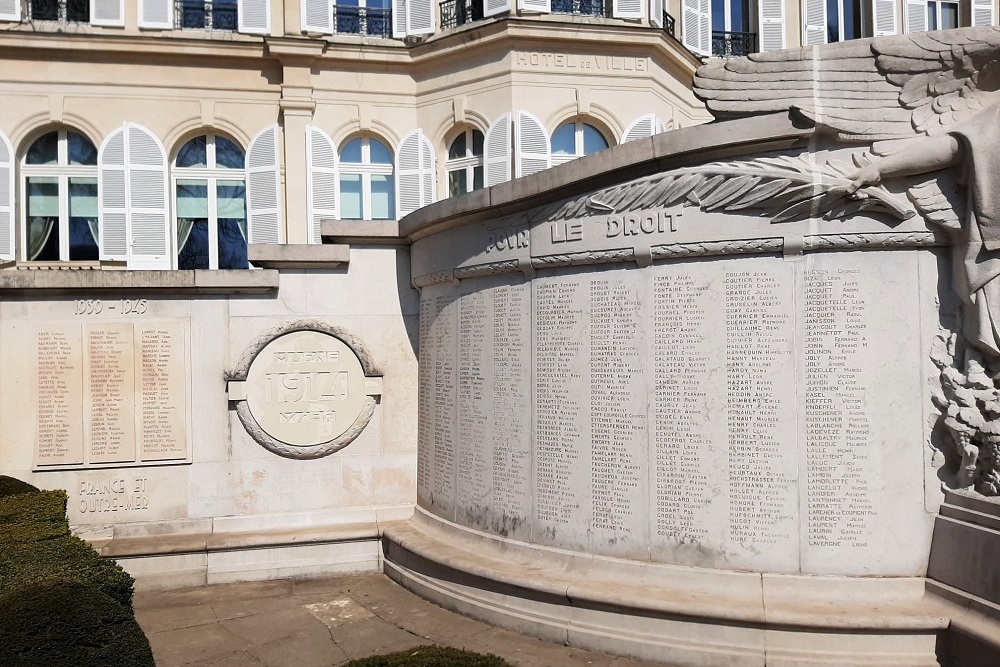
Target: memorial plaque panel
x,y
59,395
161,424
860,398
110,393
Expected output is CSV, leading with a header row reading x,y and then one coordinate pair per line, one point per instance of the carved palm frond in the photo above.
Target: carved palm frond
x,y
797,187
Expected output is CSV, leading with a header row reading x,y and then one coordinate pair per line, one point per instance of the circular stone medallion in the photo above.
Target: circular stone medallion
x,y
305,388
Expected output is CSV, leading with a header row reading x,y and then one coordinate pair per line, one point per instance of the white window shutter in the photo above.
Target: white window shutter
x,y
113,197
107,13
497,147
399,18
254,16
814,12
916,15
10,10
532,152
420,17
884,17
656,12
542,6
322,181
696,23
494,7
626,9
158,14
148,219
264,187
415,173
641,127
772,25
317,16
982,12
6,198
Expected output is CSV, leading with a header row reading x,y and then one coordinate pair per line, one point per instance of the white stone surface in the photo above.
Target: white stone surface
x,y
753,413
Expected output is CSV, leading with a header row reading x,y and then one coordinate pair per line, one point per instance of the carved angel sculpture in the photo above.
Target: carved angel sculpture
x,y
926,102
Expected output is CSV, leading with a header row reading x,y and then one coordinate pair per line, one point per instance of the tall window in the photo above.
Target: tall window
x,y
847,19
465,163
207,14
366,186
60,10
60,190
576,139
363,17
210,204
942,14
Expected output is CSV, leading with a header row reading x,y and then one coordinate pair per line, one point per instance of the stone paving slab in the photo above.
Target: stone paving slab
x,y
324,623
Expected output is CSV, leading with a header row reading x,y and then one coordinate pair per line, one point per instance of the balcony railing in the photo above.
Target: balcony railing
x,y
584,7
669,24
459,12
374,21
207,14
60,10
730,44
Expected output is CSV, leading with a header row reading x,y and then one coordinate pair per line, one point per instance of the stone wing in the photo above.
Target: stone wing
x,y
865,90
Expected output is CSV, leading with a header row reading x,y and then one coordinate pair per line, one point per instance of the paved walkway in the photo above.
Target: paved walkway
x,y
325,622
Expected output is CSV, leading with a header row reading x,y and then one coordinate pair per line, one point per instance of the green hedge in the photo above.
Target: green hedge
x,y
431,656
60,623
35,545
11,487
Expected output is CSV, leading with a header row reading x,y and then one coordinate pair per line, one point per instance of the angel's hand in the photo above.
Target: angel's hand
x,y
866,175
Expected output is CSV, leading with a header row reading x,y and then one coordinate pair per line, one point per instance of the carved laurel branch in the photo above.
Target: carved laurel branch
x,y
797,186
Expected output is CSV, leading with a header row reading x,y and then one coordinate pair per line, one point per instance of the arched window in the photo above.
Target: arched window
x,y
465,163
210,204
576,139
367,191
59,173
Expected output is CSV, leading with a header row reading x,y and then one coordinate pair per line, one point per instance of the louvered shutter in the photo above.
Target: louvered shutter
x,y
254,16
982,12
641,127
814,12
323,180
10,10
146,181
157,14
415,173
494,7
6,198
696,22
497,148
107,13
317,16
264,187
772,24
885,17
420,17
916,15
543,6
656,12
532,152
113,198
626,9
398,18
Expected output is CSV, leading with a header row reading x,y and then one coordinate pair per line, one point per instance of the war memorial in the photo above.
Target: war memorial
x,y
727,395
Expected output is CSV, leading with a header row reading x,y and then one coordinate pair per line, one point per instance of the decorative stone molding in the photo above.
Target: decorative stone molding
x,y
491,269
707,248
874,241
582,258
437,278
342,376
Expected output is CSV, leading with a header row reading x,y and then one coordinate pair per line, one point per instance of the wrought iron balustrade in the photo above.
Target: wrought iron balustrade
x,y
207,14
669,24
729,44
459,12
60,10
584,7
374,21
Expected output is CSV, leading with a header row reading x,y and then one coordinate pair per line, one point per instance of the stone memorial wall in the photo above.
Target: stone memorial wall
x,y
757,411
